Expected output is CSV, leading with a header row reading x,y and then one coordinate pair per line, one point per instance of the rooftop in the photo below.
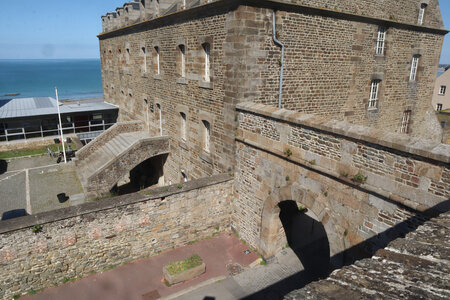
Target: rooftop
x,y
30,107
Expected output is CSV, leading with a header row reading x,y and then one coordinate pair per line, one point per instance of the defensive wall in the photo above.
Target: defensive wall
x,y
358,181
75,241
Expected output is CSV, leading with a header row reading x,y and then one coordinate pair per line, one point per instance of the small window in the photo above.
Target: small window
x,y
207,53
381,40
183,174
443,124
414,65
439,107
442,90
405,121
206,135
157,62
158,106
152,108
144,60
374,94
182,50
183,126
423,6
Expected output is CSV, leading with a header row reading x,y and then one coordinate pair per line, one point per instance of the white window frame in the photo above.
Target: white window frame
x,y
420,18
207,51
206,136
183,125
183,60
144,53
373,98
439,106
158,68
405,121
442,90
381,39
414,66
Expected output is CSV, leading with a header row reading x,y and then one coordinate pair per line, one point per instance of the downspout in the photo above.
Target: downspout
x,y
280,93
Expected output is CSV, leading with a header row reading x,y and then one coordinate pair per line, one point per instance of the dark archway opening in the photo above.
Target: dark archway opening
x,y
144,175
307,238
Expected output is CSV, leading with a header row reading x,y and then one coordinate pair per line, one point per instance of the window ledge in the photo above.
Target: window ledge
x,y
182,80
183,145
157,77
372,109
205,84
144,75
205,156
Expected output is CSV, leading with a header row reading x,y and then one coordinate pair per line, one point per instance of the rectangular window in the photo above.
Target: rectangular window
x,y
374,94
414,65
158,69
380,40
442,89
439,106
206,135
183,126
183,61
207,50
144,60
421,13
405,121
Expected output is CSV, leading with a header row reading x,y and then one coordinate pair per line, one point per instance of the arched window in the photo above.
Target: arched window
x,y
182,60
183,126
422,8
206,135
207,53
158,106
183,174
157,62
144,60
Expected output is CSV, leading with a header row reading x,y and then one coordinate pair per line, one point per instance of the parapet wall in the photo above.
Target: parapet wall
x,y
90,237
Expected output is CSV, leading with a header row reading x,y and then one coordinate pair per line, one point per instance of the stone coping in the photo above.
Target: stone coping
x,y
110,203
220,6
400,142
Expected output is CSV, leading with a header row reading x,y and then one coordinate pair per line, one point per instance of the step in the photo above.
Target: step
x,y
118,145
122,141
112,148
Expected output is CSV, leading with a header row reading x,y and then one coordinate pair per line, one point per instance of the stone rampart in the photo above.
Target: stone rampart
x,y
357,180
91,237
106,136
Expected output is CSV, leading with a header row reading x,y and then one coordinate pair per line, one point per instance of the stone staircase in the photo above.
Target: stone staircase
x,y
113,154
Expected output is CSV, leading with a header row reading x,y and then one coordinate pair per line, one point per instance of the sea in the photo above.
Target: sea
x,y
74,78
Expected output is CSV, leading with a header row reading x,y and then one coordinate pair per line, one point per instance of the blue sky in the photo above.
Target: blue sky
x,y
68,28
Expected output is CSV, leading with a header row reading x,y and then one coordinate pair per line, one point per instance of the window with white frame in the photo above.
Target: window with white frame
x,y
381,40
442,90
422,8
182,49
144,60
373,99
439,106
414,65
206,135
183,126
207,53
157,62
405,121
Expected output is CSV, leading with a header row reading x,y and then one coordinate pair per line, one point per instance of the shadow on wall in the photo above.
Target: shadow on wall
x,y
15,213
307,238
3,166
363,250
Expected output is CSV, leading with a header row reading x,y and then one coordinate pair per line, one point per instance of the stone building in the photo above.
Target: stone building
x,y
182,66
441,94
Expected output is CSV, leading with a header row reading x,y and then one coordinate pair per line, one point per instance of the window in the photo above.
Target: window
x,y
380,40
127,56
182,60
442,90
207,50
183,126
374,94
183,174
405,121
144,60
439,106
423,6
443,124
157,66
184,4
414,65
206,135
158,106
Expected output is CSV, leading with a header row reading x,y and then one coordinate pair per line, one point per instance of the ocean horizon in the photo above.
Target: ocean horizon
x,y
74,78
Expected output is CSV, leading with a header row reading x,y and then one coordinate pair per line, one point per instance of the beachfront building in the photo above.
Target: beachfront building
x,y
441,95
26,118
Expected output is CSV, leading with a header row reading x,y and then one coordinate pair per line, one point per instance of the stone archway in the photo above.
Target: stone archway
x,y
271,226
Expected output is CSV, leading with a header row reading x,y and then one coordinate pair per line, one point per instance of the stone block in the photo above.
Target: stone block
x,y
185,275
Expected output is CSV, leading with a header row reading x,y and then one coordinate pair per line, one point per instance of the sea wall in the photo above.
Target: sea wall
x,y
91,237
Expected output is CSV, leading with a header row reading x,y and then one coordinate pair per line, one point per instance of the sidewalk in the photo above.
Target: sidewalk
x,y
141,280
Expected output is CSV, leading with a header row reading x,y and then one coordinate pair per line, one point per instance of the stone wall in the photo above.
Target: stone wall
x,y
91,237
286,155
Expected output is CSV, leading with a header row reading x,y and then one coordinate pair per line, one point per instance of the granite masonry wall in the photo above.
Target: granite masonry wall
x,y
286,155
91,237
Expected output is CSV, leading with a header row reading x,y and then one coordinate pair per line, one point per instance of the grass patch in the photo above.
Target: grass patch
x,y
360,178
32,292
36,228
177,267
66,280
15,297
263,262
33,151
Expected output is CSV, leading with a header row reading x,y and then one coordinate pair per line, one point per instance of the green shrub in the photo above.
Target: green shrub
x,y
359,178
177,267
36,228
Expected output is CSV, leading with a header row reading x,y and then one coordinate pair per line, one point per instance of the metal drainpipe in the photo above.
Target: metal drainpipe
x,y
280,94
